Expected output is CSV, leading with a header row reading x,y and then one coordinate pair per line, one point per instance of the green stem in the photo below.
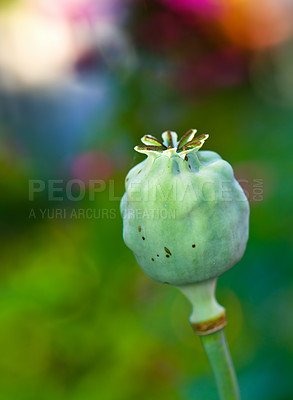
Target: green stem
x,y
219,357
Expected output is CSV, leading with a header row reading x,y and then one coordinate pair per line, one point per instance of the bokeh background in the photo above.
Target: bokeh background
x,y
80,82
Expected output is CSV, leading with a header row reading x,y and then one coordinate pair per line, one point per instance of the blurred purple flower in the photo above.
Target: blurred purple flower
x,y
208,8
224,67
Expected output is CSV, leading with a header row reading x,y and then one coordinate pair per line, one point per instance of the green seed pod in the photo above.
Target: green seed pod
x,y
185,217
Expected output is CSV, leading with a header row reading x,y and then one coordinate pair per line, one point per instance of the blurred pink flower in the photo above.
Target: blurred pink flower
x,y
82,9
92,165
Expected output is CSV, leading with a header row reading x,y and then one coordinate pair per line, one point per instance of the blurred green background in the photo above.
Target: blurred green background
x,y
80,82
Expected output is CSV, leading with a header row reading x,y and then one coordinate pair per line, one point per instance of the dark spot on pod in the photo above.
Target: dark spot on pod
x,y
189,166
153,259
139,228
167,255
158,255
193,245
186,158
139,171
143,238
127,179
167,251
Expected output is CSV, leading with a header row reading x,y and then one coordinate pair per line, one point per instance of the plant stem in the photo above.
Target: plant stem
x,y
219,357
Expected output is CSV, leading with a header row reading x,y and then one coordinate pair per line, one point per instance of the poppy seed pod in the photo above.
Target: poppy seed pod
x,y
185,217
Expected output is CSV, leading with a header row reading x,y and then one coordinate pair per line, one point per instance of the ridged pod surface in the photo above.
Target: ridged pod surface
x,y
185,217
